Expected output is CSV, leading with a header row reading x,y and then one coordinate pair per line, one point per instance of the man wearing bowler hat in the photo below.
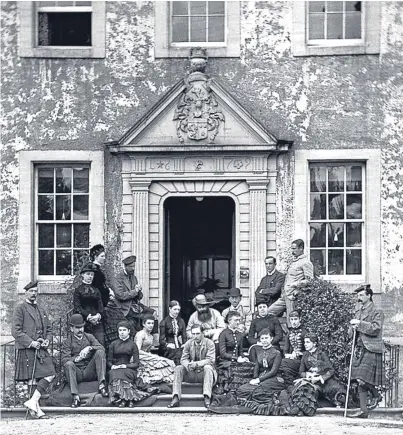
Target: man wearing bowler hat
x,y
32,331
83,358
235,297
210,319
367,358
128,294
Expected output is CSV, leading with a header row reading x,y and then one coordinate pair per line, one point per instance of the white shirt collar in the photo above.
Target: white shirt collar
x,y
271,273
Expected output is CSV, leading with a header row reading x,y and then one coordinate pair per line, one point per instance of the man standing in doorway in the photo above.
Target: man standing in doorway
x,y
298,273
270,286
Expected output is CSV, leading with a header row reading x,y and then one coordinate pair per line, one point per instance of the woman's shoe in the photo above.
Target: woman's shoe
x,y
76,402
131,404
122,404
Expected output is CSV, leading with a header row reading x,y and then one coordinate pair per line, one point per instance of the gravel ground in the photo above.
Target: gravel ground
x,y
198,424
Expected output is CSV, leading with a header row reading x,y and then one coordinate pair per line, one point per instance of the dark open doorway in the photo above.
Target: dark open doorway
x,y
199,248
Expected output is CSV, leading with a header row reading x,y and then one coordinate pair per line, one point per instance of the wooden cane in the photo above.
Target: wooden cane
x,y
349,372
32,380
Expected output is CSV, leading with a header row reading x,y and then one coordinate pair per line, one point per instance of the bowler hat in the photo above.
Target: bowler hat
x,y
32,284
366,287
201,300
129,260
234,292
76,320
88,267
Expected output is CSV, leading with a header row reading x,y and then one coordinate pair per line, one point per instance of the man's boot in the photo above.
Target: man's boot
x,y
175,403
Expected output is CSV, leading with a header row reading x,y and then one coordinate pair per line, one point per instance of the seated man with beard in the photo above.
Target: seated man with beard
x,y
210,319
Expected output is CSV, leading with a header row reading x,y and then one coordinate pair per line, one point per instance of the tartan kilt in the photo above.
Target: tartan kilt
x,y
25,364
367,366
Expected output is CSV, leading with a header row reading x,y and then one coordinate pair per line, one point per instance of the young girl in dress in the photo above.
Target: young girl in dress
x,y
153,368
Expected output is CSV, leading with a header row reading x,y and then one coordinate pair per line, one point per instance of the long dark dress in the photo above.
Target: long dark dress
x,y
99,282
87,300
171,333
123,383
266,367
293,344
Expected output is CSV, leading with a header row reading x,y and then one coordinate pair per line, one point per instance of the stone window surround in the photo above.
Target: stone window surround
x,y
27,46
372,160
28,161
164,49
369,45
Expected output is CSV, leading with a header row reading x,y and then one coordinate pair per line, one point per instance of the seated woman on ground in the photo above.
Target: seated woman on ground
x,y
123,361
153,368
265,378
173,333
87,301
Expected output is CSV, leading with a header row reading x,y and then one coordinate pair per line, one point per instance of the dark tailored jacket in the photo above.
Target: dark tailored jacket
x,y
167,331
270,287
230,349
319,360
300,335
123,352
273,358
25,327
72,347
370,327
87,300
270,322
99,282
207,353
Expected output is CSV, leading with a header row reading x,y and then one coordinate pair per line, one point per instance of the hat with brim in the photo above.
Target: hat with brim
x,y
366,287
201,300
89,267
32,284
234,292
76,320
129,260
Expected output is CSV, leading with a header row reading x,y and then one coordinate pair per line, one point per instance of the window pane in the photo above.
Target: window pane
x,y
316,6
216,29
317,26
216,8
353,6
45,262
354,206
318,178
64,28
46,236
335,26
81,180
80,257
45,180
63,207
336,235
353,26
81,235
336,262
334,6
336,206
318,258
336,179
354,178
354,261
80,207
354,234
221,272
180,29
63,180
63,236
198,29
318,235
179,8
63,262
45,207
198,8
318,206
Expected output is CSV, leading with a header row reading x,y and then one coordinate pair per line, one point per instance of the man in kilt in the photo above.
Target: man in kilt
x,y
367,358
31,329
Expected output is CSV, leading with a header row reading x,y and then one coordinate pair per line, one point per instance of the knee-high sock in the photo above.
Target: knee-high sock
x,y
362,393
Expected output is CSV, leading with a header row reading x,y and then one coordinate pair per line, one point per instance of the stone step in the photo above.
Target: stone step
x,y
187,400
188,388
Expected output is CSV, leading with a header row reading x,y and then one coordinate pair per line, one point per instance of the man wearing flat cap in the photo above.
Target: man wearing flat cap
x,y
83,358
32,331
367,358
210,319
128,294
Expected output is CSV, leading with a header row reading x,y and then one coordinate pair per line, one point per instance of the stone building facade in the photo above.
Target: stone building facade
x,y
202,168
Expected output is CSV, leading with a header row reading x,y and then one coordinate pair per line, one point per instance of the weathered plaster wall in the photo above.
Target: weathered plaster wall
x,y
319,102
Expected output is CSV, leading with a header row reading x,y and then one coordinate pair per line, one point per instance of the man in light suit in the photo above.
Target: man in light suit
x,y
128,294
197,365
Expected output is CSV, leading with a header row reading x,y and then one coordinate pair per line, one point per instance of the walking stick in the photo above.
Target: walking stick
x,y
32,380
349,372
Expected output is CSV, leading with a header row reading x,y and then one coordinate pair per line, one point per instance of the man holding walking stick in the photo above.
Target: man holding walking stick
x,y
367,357
32,331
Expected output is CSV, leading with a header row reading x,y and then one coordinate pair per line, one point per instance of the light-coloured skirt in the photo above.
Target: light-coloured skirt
x,y
154,369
